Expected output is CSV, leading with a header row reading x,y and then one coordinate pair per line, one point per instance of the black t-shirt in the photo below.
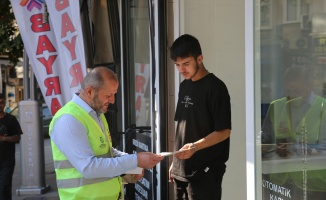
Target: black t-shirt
x,y
10,126
203,107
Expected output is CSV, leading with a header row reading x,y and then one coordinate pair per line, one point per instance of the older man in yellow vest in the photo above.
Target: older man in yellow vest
x,y
86,165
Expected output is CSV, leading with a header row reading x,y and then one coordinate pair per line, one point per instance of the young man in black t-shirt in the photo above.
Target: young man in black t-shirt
x,y
203,117
10,132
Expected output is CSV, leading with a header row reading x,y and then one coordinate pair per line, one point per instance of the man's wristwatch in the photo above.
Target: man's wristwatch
x,y
194,146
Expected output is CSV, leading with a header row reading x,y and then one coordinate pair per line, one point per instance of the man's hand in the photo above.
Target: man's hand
x,y
2,138
282,150
148,160
170,172
6,138
137,177
186,154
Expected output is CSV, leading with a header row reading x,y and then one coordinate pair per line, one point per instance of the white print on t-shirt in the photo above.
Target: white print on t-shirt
x,y
3,130
187,101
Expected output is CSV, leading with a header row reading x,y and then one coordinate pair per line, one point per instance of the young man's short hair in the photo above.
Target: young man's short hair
x,y
185,46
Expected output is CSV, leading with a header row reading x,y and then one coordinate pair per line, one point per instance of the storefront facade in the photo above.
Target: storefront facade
x,y
148,40
150,82
271,54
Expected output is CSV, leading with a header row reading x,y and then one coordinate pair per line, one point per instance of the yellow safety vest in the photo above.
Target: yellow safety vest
x,y
314,117
310,126
70,183
277,116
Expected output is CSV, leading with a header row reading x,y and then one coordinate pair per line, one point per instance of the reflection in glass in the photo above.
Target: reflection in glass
x,y
140,50
292,138
291,10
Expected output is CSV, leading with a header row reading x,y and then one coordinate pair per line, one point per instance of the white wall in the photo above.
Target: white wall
x,y
220,27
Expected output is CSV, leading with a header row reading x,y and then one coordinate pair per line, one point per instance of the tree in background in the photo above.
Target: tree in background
x,y
11,44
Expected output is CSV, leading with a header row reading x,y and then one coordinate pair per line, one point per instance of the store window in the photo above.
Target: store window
x,y
292,138
138,92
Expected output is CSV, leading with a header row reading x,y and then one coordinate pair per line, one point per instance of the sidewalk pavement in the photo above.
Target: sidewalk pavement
x,y
49,176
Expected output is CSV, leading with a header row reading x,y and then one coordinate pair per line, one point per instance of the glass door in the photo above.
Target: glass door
x,y
138,90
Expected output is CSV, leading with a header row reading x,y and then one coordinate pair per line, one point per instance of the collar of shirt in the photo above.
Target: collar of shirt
x,y
77,100
96,116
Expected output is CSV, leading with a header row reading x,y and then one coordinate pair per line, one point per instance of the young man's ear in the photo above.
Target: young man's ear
x,y
200,59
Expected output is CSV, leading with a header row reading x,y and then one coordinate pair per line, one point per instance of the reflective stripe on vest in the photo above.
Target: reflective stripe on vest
x,y
65,164
78,182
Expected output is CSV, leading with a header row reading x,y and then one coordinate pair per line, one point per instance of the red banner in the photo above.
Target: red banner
x,y
55,47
